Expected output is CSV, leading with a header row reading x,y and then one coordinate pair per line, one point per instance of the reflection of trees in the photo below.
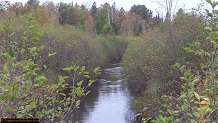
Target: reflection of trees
x,y
107,88
88,103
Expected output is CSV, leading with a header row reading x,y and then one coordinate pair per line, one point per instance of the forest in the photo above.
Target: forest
x,y
50,54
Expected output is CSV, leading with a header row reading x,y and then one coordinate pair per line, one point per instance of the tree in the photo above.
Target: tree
x,y
90,24
33,3
94,11
107,29
76,15
103,17
17,8
117,16
43,15
139,30
130,24
169,6
142,11
63,10
53,12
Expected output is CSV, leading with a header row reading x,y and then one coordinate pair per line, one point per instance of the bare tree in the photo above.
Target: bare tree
x,y
169,5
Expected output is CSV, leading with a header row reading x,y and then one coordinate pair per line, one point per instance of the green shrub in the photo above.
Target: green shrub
x,y
113,46
24,91
73,46
147,61
198,100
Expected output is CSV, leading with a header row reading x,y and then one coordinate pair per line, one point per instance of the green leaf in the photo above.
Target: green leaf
x,y
164,97
5,68
39,114
90,82
184,107
80,83
76,68
30,74
182,97
62,79
7,110
54,86
6,56
197,45
209,1
195,80
69,121
86,73
3,97
22,51
182,68
208,29
87,76
40,79
176,66
83,69
189,50
87,92
16,80
32,105
31,50
63,94
41,48
197,96
214,4
52,54
184,78
193,121
190,115
69,69
97,70
23,38
39,34
4,89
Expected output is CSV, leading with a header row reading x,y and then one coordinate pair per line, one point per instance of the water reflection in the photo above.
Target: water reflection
x,y
108,101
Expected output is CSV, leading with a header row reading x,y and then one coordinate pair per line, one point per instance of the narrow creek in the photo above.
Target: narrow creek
x,y
108,102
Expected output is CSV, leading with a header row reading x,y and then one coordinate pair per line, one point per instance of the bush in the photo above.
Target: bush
x,y
147,61
113,46
73,46
197,102
24,91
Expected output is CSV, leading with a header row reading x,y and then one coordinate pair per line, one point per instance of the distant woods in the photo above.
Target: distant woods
x,y
105,19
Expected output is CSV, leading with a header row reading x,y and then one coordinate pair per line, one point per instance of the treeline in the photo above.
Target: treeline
x,y
69,30
46,66
105,19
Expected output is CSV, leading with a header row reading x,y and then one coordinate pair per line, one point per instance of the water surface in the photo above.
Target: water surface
x,y
108,101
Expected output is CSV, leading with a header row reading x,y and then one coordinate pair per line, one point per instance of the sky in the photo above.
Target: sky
x,y
126,4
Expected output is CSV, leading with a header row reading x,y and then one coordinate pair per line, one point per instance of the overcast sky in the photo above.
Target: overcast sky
x,y
126,4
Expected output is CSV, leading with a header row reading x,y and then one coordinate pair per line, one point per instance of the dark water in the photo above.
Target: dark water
x,y
108,102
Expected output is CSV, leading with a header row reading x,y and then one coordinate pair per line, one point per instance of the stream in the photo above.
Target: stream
x,y
108,102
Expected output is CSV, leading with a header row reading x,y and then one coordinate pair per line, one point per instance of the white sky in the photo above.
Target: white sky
x,y
126,4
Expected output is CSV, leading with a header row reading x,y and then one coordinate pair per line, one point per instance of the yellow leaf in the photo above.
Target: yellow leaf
x,y
197,96
207,101
205,108
203,102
